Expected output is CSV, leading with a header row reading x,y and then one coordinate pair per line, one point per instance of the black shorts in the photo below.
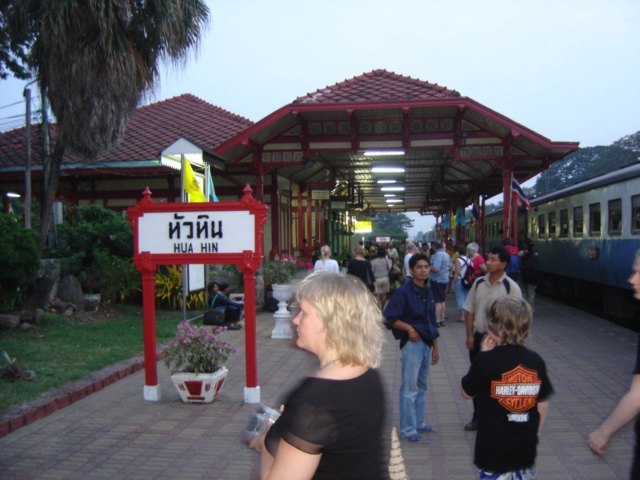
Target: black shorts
x,y
439,291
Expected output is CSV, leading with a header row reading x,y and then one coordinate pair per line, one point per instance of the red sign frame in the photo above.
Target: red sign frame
x,y
248,261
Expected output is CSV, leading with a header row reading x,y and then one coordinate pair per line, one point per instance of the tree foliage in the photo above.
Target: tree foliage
x,y
588,163
391,224
15,43
18,262
95,61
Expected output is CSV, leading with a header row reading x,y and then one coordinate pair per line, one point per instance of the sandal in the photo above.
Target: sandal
x,y
414,438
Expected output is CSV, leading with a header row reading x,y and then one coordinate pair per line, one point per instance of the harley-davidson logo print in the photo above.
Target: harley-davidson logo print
x,y
517,392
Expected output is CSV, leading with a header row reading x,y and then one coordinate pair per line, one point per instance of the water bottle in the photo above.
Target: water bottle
x,y
259,423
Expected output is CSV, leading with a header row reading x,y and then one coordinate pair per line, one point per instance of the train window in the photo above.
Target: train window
x,y
542,226
615,216
578,222
594,219
564,223
635,214
552,224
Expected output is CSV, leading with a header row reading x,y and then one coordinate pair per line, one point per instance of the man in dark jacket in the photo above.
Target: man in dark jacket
x,y
410,314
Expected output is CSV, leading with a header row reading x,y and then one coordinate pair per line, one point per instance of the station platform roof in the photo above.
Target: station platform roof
x,y
449,149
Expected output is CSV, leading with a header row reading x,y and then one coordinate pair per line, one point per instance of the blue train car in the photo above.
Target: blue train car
x,y
587,236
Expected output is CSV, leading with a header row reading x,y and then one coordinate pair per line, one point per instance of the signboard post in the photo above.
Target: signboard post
x,y
198,233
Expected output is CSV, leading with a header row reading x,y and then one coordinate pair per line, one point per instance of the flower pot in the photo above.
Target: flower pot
x,y
92,301
199,387
282,293
283,327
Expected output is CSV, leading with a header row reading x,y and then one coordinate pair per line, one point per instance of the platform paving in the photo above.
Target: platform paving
x,y
114,434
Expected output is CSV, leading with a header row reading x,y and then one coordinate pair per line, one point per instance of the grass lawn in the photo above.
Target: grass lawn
x,y
61,349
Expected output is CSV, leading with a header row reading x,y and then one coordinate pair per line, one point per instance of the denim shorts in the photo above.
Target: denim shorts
x,y
439,291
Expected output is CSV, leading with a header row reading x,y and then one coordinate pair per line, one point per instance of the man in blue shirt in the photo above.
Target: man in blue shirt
x,y
440,268
410,314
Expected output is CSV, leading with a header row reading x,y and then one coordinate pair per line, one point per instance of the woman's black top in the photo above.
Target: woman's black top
x,y
341,419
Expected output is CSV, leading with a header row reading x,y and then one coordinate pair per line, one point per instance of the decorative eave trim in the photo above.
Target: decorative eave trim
x,y
461,103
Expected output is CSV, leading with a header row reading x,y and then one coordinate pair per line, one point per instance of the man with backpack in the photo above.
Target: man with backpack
x,y
463,278
483,292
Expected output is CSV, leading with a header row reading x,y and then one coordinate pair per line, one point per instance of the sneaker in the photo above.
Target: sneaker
x,y
442,324
233,326
427,429
414,438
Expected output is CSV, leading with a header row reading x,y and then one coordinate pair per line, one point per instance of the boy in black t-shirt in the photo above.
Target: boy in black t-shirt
x,y
512,387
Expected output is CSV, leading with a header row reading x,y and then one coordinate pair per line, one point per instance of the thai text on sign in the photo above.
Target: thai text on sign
x,y
196,232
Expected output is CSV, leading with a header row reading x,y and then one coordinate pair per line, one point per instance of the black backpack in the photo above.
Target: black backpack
x,y
469,275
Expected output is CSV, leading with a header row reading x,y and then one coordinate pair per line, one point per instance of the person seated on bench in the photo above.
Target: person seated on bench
x,y
220,302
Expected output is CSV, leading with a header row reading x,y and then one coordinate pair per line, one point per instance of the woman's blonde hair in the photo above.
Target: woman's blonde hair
x,y
325,252
350,314
509,319
359,250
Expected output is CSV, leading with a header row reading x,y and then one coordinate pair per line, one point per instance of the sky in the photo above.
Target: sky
x,y
569,70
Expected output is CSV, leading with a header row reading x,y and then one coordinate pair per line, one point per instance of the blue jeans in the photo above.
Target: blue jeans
x,y
461,294
416,359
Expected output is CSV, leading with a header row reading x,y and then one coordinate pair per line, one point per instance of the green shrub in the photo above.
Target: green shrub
x,y
117,277
169,289
94,228
18,263
98,249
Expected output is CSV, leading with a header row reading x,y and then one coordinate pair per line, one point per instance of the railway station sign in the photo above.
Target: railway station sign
x,y
204,233
196,232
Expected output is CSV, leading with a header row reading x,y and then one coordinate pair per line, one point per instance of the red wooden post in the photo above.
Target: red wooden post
x,y
250,332
151,387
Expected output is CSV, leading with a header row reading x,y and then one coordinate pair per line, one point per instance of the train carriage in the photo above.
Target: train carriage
x,y
587,235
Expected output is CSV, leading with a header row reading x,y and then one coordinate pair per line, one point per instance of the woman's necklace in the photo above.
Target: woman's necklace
x,y
328,364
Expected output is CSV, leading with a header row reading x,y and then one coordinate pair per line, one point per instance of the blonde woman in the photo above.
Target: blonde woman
x,y
325,262
331,425
360,267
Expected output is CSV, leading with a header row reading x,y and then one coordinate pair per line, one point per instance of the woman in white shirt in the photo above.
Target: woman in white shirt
x,y
325,262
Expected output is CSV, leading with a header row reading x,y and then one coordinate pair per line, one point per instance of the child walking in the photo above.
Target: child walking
x,y
512,387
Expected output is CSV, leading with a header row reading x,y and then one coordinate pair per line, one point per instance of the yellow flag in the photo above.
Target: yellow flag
x,y
190,184
453,221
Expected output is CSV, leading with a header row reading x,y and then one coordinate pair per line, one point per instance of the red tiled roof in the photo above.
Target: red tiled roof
x,y
150,130
378,86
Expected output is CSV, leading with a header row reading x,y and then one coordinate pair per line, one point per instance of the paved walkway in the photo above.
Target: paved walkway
x,y
115,434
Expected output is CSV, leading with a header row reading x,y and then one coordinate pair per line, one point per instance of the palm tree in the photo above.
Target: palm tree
x,y
95,61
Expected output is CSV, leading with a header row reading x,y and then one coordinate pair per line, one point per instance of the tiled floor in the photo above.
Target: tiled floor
x,y
115,434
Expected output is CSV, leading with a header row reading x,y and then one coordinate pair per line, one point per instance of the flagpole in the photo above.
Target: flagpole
x,y
184,267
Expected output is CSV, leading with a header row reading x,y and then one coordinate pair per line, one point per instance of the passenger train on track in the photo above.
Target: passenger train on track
x,y
586,236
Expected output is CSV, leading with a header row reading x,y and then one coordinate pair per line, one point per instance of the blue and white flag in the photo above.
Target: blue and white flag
x,y
212,191
518,194
460,217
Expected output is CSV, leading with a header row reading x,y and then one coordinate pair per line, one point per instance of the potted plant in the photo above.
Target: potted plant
x,y
279,271
91,290
195,358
